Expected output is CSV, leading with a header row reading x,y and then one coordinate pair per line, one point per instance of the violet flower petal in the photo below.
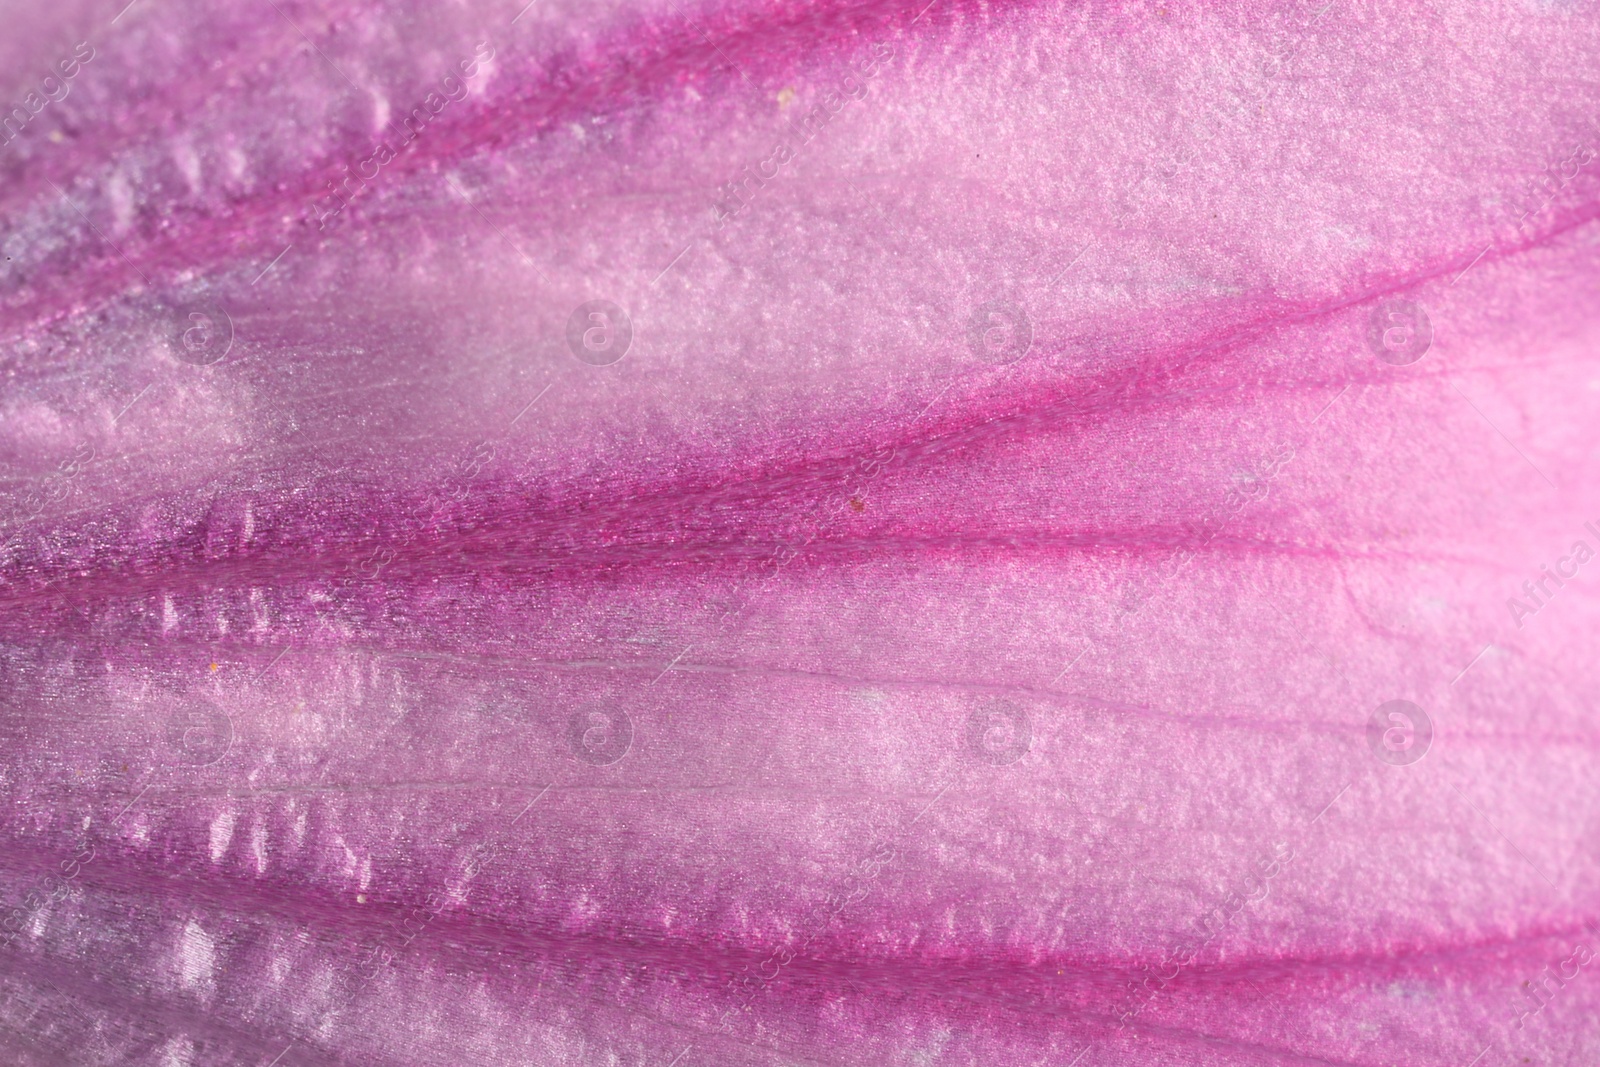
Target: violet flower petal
x,y
681,534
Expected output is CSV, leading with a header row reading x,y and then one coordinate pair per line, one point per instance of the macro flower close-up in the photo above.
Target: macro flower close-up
x,y
695,533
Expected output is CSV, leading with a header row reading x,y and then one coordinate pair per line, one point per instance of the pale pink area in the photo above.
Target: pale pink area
x,y
400,689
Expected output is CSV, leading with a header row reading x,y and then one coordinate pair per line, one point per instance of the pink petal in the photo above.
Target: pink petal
x,y
961,624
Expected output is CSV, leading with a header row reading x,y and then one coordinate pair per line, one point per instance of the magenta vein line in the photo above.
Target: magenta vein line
x,y
671,665
1474,262
710,42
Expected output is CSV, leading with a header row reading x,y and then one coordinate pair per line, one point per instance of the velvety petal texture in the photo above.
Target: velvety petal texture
x,y
682,533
